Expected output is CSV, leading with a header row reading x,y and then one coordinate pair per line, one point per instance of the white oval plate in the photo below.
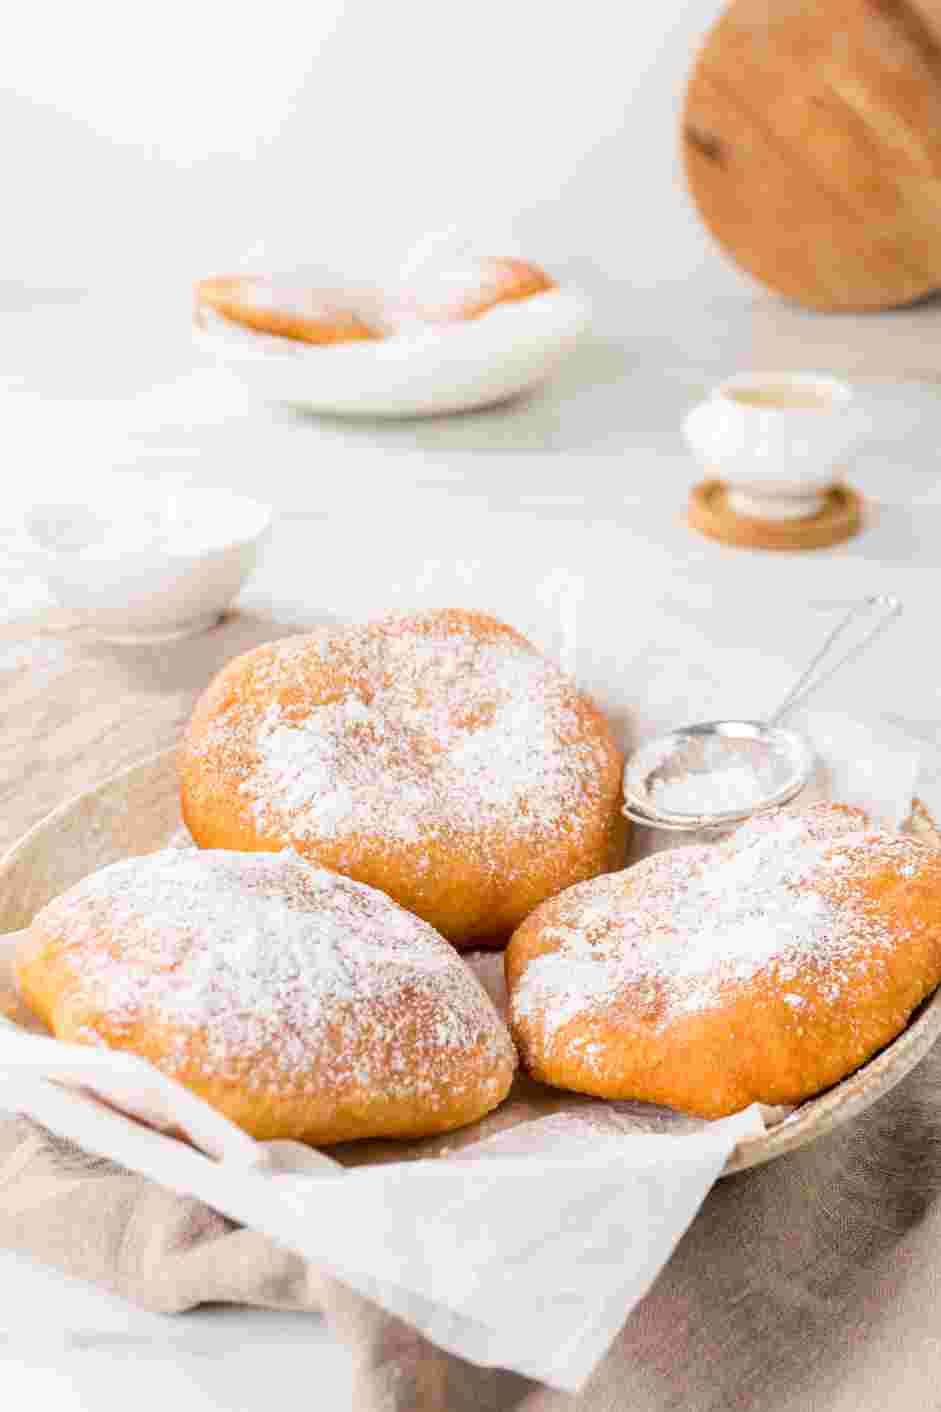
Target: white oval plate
x,y
475,363
137,811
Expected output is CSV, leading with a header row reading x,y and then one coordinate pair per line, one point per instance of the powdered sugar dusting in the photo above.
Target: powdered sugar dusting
x,y
715,792
282,973
672,935
709,774
413,734
343,308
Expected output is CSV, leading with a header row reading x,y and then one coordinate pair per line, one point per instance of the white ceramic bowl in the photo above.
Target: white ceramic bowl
x,y
428,372
778,440
140,566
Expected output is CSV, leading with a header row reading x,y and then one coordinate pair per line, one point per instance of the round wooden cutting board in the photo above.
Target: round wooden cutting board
x,y
812,145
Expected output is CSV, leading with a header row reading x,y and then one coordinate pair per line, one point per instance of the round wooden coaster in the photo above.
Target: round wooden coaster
x,y
812,145
840,518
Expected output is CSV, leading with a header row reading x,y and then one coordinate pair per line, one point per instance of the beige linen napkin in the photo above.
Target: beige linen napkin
x,y
808,1284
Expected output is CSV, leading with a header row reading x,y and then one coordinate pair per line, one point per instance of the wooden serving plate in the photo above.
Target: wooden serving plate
x,y
811,138
137,811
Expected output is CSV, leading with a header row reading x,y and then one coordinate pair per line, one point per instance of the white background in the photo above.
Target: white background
x,y
147,144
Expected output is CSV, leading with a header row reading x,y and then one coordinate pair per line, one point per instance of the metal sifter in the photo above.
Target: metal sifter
x,y
770,764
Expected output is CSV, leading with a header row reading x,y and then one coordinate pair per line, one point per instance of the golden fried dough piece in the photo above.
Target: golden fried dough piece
x,y
438,757
470,289
285,310
298,1003
763,969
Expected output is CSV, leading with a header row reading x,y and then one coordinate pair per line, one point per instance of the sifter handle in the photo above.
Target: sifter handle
x,y
820,669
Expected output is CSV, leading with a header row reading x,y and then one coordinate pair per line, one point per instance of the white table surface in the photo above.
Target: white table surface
x,y
588,475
